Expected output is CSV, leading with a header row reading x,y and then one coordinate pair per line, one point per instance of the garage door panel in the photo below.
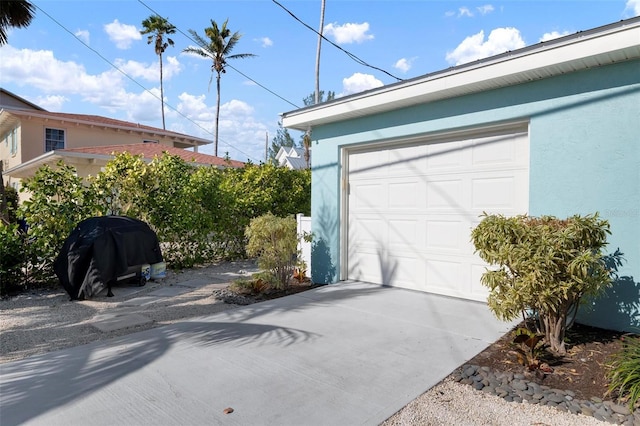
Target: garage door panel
x,y
403,233
497,150
407,160
443,235
368,165
367,196
493,193
409,223
445,193
402,195
367,232
402,270
445,156
442,275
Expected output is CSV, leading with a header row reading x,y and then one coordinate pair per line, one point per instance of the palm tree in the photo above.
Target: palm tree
x,y
157,26
218,48
14,13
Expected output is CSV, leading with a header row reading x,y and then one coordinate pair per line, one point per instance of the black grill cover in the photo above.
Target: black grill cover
x,y
100,249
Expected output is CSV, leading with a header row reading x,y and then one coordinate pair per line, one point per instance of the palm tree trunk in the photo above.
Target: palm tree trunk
x,y
162,93
215,146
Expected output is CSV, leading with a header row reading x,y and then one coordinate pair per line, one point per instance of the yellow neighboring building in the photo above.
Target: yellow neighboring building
x,y
31,137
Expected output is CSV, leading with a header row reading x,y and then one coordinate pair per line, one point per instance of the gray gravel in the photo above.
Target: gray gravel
x,y
452,403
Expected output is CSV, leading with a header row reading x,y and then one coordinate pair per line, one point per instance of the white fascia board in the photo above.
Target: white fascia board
x,y
545,60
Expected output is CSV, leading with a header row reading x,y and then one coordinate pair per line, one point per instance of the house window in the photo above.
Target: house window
x,y
53,139
11,140
13,137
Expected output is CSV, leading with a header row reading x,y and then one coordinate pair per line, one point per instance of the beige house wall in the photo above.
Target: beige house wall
x,y
80,136
10,160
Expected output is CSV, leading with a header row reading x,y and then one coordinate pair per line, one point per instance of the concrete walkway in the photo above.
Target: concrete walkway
x,y
344,354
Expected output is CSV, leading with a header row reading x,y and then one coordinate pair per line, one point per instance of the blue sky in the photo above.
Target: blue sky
x,y
88,56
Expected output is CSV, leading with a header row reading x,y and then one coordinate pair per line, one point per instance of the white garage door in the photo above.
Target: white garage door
x,y
411,209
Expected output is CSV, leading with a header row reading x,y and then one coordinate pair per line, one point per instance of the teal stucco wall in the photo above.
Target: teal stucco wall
x,y
584,131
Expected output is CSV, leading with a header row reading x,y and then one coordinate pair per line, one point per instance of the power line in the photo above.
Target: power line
x,y
138,83
349,54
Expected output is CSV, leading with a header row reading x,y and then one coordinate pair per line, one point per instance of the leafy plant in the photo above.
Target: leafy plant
x,y
545,266
529,348
253,286
11,258
199,213
624,375
59,200
274,241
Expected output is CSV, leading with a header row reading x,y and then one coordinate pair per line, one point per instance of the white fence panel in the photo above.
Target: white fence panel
x,y
304,225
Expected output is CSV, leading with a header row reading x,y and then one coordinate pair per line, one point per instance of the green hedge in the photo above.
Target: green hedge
x,y
199,213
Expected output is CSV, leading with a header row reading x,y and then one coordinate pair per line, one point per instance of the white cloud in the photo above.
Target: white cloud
x,y
40,69
59,80
404,64
632,8
264,41
122,34
359,82
348,33
150,72
52,102
552,35
474,47
83,35
240,133
487,8
464,11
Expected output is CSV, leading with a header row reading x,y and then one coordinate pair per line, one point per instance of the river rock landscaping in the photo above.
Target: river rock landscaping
x,y
576,382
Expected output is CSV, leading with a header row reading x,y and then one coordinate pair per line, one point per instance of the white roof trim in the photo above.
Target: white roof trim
x,y
601,46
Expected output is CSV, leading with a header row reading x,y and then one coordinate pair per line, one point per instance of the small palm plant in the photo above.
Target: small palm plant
x,y
529,348
624,375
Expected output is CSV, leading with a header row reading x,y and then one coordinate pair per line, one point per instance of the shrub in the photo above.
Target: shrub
x,y
12,200
59,200
274,241
545,266
11,259
625,373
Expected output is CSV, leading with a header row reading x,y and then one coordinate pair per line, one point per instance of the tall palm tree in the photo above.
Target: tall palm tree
x,y
218,47
157,27
14,13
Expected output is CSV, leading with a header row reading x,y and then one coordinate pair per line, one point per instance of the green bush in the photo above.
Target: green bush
x,y
545,266
274,241
59,200
12,254
624,375
12,200
199,213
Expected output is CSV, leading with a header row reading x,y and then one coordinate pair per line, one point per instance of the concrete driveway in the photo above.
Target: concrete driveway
x,y
345,354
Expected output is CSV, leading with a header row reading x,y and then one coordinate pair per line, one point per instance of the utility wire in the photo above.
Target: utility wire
x,y
349,54
138,83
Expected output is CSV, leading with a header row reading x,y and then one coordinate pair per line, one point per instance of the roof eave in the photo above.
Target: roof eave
x,y
602,46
